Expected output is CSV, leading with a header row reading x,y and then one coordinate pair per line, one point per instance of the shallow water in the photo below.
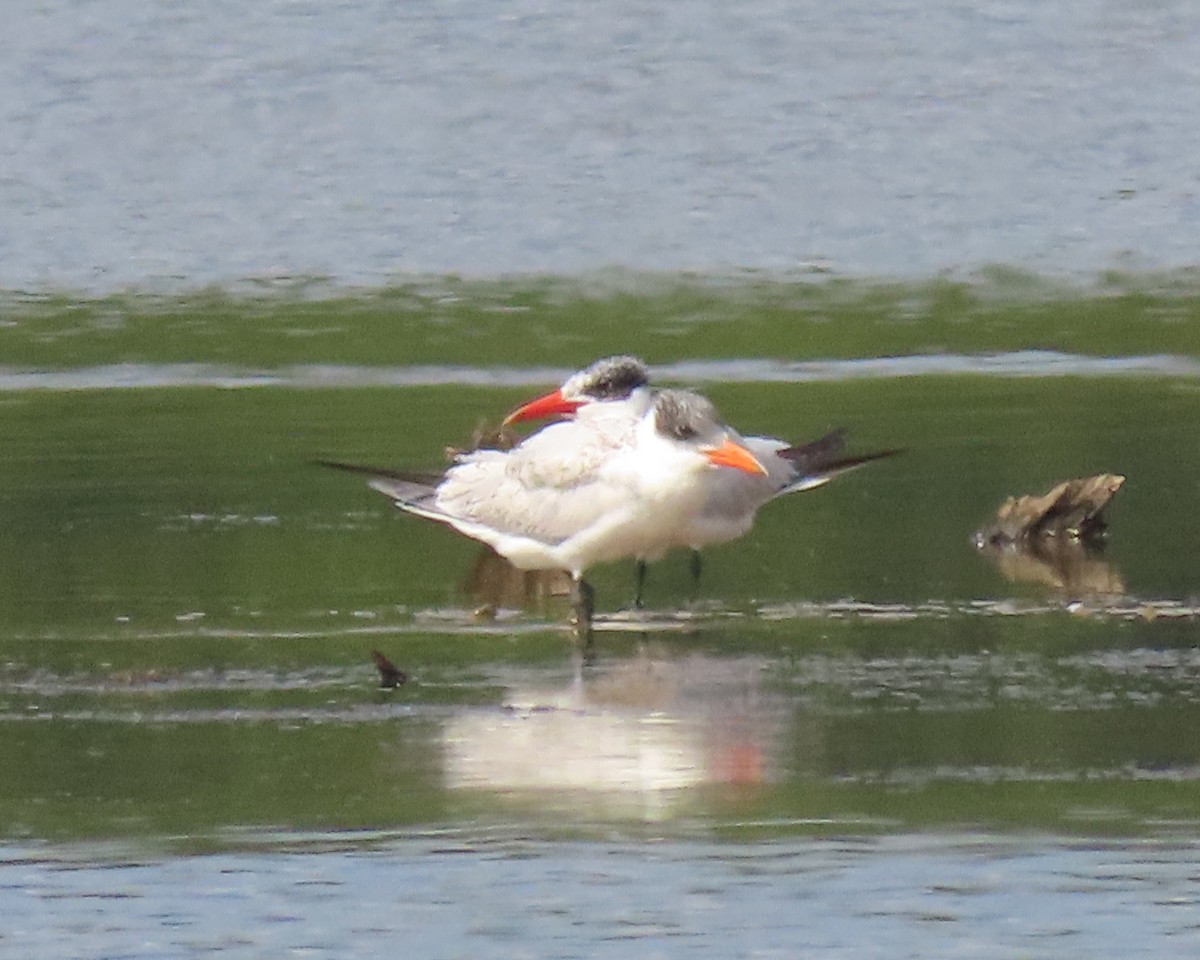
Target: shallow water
x,y
1026,363
856,733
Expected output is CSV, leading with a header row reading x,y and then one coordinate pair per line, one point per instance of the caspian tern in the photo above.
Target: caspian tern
x,y
568,497
615,392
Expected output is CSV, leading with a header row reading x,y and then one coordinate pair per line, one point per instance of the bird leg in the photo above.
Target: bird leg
x,y
696,566
639,582
582,606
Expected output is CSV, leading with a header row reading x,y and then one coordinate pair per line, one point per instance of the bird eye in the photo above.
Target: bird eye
x,y
615,381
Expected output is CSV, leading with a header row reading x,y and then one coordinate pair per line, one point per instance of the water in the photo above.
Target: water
x,y
1030,363
856,736
500,896
166,147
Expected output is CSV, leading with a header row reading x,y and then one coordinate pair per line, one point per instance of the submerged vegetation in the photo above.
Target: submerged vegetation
x,y
536,321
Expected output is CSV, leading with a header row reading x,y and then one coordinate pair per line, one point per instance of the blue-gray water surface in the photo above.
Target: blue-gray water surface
x,y
947,897
151,145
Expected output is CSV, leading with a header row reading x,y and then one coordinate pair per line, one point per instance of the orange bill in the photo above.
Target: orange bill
x,y
551,405
730,454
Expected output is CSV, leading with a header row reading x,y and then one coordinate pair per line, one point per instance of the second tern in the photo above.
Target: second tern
x,y
612,394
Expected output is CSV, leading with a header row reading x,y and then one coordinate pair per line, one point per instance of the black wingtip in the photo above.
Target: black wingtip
x,y
849,463
823,456
408,476
338,465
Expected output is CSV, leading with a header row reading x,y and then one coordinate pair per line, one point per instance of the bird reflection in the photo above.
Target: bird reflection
x,y
629,737
494,583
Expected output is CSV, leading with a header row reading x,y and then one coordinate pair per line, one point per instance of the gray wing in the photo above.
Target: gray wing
x,y
550,504
489,496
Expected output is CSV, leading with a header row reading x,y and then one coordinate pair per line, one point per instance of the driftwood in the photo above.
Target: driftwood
x,y
485,437
1074,510
1056,540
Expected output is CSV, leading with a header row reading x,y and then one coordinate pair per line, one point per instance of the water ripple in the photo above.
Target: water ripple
x,y
1021,363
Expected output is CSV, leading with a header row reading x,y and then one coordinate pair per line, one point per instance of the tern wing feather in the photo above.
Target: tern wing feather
x,y
569,454
423,477
811,457
525,510
821,472
414,491
818,462
547,504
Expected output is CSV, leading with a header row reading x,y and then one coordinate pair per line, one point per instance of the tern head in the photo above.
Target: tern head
x,y
690,419
607,380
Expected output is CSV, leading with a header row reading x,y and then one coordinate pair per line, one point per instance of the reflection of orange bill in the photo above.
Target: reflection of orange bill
x,y
741,763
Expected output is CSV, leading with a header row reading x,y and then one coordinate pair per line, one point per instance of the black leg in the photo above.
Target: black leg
x,y
582,606
697,565
639,582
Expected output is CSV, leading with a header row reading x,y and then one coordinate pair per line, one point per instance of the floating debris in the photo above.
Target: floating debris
x,y
390,676
1074,509
1056,540
486,436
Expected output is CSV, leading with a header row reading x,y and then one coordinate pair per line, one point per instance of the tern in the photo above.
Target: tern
x,y
570,496
614,392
